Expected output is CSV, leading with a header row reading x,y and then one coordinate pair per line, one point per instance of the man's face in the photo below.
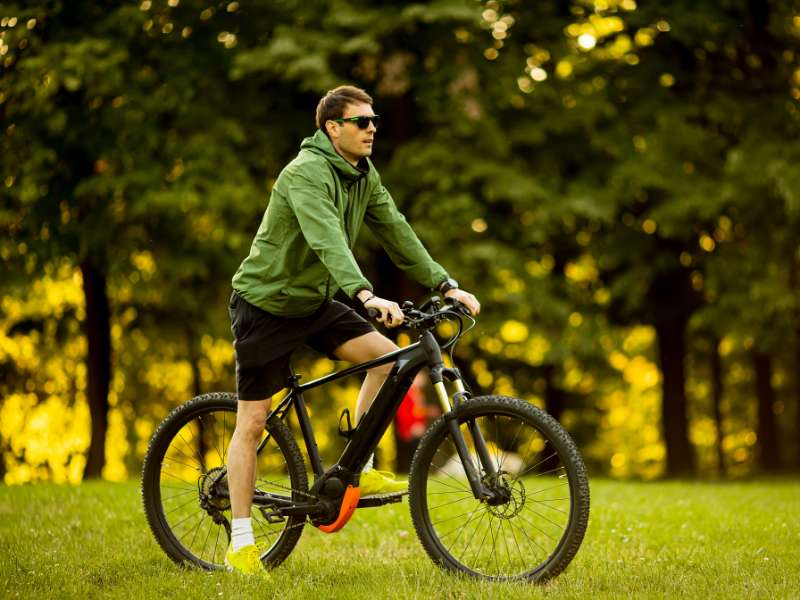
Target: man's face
x,y
349,140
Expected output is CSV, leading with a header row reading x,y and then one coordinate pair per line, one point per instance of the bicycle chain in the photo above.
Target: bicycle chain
x,y
306,519
290,489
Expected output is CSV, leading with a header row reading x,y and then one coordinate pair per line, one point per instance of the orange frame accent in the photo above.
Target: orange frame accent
x,y
348,507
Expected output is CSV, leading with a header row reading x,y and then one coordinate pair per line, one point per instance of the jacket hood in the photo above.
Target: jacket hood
x,y
320,144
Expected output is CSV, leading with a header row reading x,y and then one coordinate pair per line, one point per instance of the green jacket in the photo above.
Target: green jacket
x,y
302,252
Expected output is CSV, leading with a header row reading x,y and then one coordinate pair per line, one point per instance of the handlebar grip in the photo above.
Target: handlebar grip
x,y
373,313
458,306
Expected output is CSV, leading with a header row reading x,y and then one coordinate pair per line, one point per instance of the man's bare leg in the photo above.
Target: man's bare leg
x,y
361,349
251,417
367,347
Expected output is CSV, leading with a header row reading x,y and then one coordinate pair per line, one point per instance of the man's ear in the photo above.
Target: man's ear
x,y
332,127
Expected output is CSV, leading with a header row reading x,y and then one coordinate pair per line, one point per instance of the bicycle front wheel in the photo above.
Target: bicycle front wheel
x,y
536,529
184,484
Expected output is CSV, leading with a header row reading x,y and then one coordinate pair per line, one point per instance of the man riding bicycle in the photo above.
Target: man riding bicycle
x,y
299,258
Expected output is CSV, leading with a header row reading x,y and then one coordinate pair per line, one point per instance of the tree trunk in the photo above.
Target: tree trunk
x,y
194,361
797,391
794,283
3,446
197,389
766,429
553,395
716,401
671,332
98,362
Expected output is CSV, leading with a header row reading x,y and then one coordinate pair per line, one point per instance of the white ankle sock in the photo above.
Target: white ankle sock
x,y
370,462
242,533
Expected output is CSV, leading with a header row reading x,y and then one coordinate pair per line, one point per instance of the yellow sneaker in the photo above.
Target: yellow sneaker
x,y
380,482
246,560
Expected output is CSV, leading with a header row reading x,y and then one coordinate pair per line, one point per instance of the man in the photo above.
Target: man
x,y
300,257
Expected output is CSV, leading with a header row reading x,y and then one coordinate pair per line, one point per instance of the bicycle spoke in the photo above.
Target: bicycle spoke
x,y
525,533
205,542
186,456
172,460
477,527
562,484
222,437
516,543
494,548
185,489
553,470
197,528
200,458
450,456
537,464
260,526
216,543
175,526
537,528
462,528
450,518
459,489
181,506
528,508
563,512
476,556
448,503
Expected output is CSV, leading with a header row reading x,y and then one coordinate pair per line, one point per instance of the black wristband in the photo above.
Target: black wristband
x,y
371,296
447,285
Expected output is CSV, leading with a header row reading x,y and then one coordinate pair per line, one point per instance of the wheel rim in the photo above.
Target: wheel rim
x,y
192,472
518,537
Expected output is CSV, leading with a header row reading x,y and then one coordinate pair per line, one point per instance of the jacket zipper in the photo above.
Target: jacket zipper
x,y
346,236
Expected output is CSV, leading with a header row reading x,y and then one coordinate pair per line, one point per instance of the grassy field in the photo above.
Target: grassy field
x,y
654,540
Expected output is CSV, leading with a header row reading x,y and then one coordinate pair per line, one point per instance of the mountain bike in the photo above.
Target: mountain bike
x,y
497,488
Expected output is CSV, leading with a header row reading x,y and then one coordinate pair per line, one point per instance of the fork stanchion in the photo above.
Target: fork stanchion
x,y
441,394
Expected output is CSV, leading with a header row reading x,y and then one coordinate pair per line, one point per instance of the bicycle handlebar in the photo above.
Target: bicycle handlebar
x,y
420,319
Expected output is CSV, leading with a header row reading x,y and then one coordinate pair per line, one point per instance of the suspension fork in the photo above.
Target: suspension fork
x,y
477,436
438,373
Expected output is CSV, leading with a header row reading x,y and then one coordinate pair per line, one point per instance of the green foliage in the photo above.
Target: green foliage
x,y
585,168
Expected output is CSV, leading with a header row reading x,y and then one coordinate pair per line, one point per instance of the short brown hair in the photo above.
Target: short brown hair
x,y
331,106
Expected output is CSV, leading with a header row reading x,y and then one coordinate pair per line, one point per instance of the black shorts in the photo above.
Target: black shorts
x,y
264,342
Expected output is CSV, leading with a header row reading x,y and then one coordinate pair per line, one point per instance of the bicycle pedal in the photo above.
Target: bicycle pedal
x,y
272,517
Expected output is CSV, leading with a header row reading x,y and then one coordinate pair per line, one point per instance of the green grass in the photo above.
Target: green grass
x,y
668,539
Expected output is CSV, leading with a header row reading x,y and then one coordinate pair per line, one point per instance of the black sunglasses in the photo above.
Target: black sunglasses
x,y
362,122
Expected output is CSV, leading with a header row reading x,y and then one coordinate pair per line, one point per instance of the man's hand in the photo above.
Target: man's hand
x,y
467,299
391,315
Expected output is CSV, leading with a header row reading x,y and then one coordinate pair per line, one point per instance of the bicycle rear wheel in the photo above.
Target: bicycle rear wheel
x,y
531,535
184,484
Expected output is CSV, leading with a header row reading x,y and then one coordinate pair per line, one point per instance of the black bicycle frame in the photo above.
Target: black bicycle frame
x,y
368,432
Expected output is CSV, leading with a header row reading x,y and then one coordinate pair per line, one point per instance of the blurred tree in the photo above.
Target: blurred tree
x,y
116,136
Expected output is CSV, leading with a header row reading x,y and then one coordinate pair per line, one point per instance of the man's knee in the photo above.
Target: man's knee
x,y
251,417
